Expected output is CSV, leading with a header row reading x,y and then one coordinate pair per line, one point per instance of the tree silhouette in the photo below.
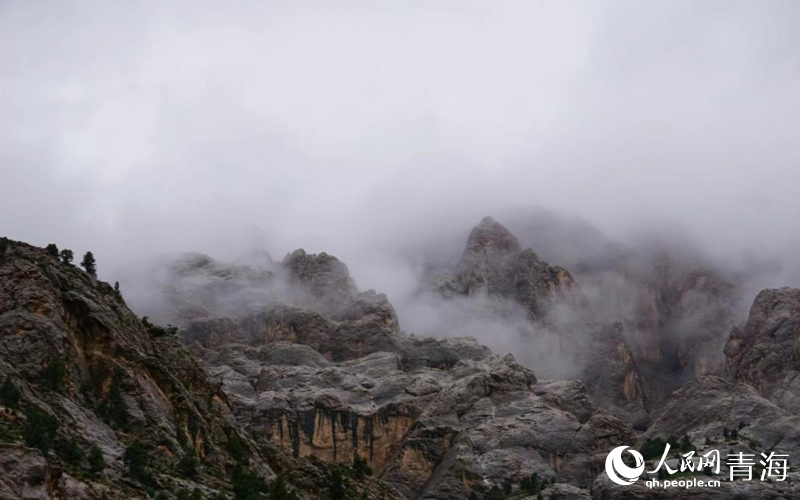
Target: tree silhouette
x,y
52,250
137,459
188,464
69,450
9,394
336,489
66,256
40,428
279,491
55,375
361,468
113,408
3,248
88,263
246,484
96,461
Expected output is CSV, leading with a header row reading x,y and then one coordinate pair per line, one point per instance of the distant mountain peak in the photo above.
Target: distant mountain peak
x,y
489,236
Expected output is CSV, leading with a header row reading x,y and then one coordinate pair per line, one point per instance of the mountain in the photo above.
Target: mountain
x,y
494,267
284,378
324,370
750,409
494,264
677,304
98,403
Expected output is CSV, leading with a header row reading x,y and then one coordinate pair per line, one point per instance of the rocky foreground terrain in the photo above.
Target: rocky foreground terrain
x,y
284,380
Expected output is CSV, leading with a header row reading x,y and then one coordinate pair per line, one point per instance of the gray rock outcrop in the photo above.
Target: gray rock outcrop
x,y
765,352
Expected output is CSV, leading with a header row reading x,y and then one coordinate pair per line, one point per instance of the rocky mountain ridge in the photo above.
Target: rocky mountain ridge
x,y
98,403
495,267
331,377
292,374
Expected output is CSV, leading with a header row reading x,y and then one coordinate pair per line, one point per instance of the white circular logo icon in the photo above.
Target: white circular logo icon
x,y
619,472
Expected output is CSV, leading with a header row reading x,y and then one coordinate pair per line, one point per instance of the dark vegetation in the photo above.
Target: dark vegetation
x,y
54,376
159,331
10,394
361,468
654,447
4,244
113,408
89,264
40,428
66,256
189,464
52,250
137,461
97,463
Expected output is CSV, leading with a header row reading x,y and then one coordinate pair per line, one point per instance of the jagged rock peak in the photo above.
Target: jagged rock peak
x,y
490,252
762,353
322,274
490,237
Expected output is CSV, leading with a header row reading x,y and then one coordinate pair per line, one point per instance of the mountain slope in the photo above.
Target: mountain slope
x,y
323,370
86,382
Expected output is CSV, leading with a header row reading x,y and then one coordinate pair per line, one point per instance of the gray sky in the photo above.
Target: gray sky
x,y
339,126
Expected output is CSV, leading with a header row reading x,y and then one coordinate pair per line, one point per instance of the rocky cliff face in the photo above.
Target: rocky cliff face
x,y
495,267
324,371
612,375
436,419
100,404
91,374
711,408
731,417
765,352
495,264
677,304
678,326
290,369
305,299
753,411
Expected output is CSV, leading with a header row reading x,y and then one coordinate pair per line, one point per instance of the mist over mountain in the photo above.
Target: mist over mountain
x,y
616,279
395,250
149,129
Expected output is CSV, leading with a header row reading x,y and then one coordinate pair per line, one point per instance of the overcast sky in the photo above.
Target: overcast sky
x,y
142,127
